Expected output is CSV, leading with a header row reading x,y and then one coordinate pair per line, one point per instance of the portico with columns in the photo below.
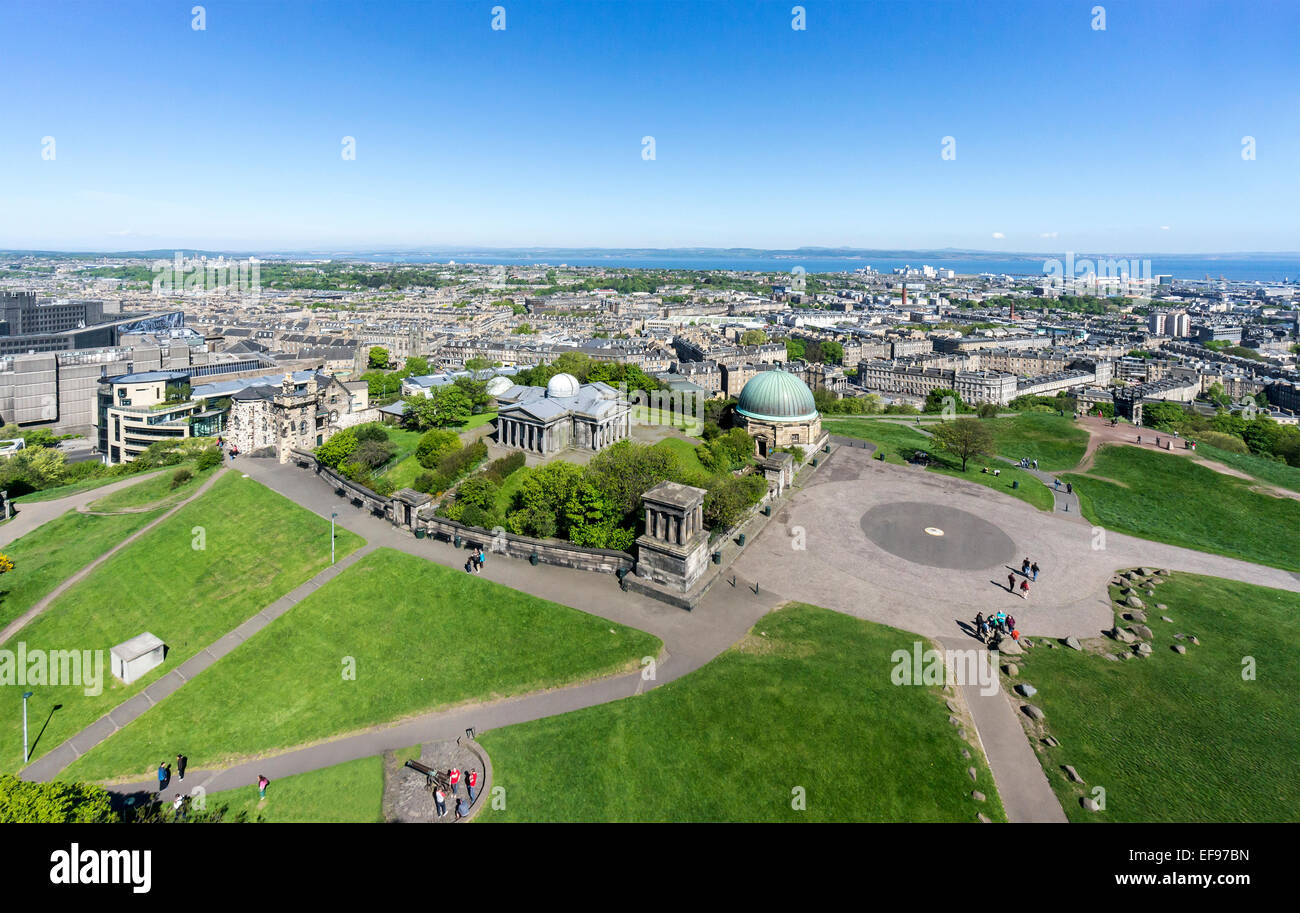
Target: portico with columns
x,y
674,549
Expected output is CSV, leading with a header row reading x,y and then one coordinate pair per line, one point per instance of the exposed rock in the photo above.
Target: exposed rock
x,y
1111,656
1126,656
1072,643
1026,689
1026,643
1134,603
1123,635
1161,607
1179,636
1034,713
1072,773
1142,649
977,795
1150,592
1147,571
1090,804
1166,618
1163,572
965,753
1136,615
1008,646
974,775
1051,740
1178,648
961,734
1011,669
1194,639
983,818
952,706
954,721
1142,631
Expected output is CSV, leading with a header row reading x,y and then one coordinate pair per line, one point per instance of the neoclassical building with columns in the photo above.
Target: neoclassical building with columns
x,y
563,414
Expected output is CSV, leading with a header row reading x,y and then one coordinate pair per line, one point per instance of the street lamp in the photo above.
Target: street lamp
x,y
27,755
333,514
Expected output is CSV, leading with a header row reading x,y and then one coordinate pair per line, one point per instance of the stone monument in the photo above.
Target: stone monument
x,y
674,549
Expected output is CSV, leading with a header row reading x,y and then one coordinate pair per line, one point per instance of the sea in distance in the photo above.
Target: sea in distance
x,y
1265,268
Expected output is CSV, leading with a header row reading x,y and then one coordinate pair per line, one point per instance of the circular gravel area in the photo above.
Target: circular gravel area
x,y
938,536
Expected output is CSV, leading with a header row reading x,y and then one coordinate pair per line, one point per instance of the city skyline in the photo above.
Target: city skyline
x,y
764,136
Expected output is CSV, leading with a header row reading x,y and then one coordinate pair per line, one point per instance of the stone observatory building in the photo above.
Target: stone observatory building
x,y
777,408
564,413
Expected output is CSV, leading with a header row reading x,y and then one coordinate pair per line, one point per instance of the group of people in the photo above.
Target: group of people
x,y
453,780
1001,623
474,563
1028,572
221,445
165,773
1069,486
1027,463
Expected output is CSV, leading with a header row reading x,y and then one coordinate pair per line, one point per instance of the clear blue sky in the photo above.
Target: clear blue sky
x,y
1067,138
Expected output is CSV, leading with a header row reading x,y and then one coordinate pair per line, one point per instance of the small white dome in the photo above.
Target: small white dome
x,y
498,385
562,385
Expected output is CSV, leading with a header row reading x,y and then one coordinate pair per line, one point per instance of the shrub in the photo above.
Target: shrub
x,y
499,470
1228,442
209,458
373,453
424,482
434,445
338,448
181,476
59,802
371,431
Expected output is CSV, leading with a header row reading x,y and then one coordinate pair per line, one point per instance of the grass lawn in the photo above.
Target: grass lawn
x,y
512,484
423,636
685,453
1262,468
403,474
1057,442
77,488
55,551
1176,500
1182,738
805,700
154,490
349,793
475,421
257,546
688,424
898,442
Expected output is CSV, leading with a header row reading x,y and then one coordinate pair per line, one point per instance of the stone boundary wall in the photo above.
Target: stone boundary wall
x,y
548,551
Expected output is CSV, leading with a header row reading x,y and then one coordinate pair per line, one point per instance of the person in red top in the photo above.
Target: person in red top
x,y
472,783
453,776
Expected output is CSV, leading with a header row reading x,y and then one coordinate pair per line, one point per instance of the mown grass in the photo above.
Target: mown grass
x,y
156,490
419,636
898,442
55,551
1176,500
804,704
348,793
1057,442
1194,737
1262,468
199,574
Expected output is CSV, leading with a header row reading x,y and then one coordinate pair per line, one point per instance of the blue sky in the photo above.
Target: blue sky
x,y
1067,138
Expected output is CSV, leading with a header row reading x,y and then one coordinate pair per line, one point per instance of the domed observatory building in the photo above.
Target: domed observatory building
x,y
564,413
777,408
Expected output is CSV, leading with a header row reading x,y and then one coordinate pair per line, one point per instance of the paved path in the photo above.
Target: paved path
x,y
691,639
18,623
1026,795
50,765
29,515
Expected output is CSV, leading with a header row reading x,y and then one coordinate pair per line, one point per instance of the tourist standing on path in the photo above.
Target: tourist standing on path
x,y
181,763
1011,622
1034,569
980,624
1011,583
1024,589
262,784
162,775
440,800
1035,465
1069,488
1057,483
1024,567
482,559
471,783
453,777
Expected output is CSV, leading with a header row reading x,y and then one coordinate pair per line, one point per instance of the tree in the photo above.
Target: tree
x,y
753,338
58,802
372,453
417,365
338,448
434,445
964,438
832,352
378,357
794,349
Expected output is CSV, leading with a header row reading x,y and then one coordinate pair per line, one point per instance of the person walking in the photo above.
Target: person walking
x,y
1057,482
1034,569
1024,588
471,784
1069,488
181,763
262,784
162,775
1024,567
453,777
440,800
1011,583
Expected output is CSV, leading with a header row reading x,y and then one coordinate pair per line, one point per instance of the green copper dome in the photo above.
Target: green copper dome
x,y
777,396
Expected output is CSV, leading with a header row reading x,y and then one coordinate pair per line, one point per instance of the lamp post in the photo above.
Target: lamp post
x,y
26,754
333,514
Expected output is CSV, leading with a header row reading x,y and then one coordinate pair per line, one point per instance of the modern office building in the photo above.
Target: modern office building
x,y
136,410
